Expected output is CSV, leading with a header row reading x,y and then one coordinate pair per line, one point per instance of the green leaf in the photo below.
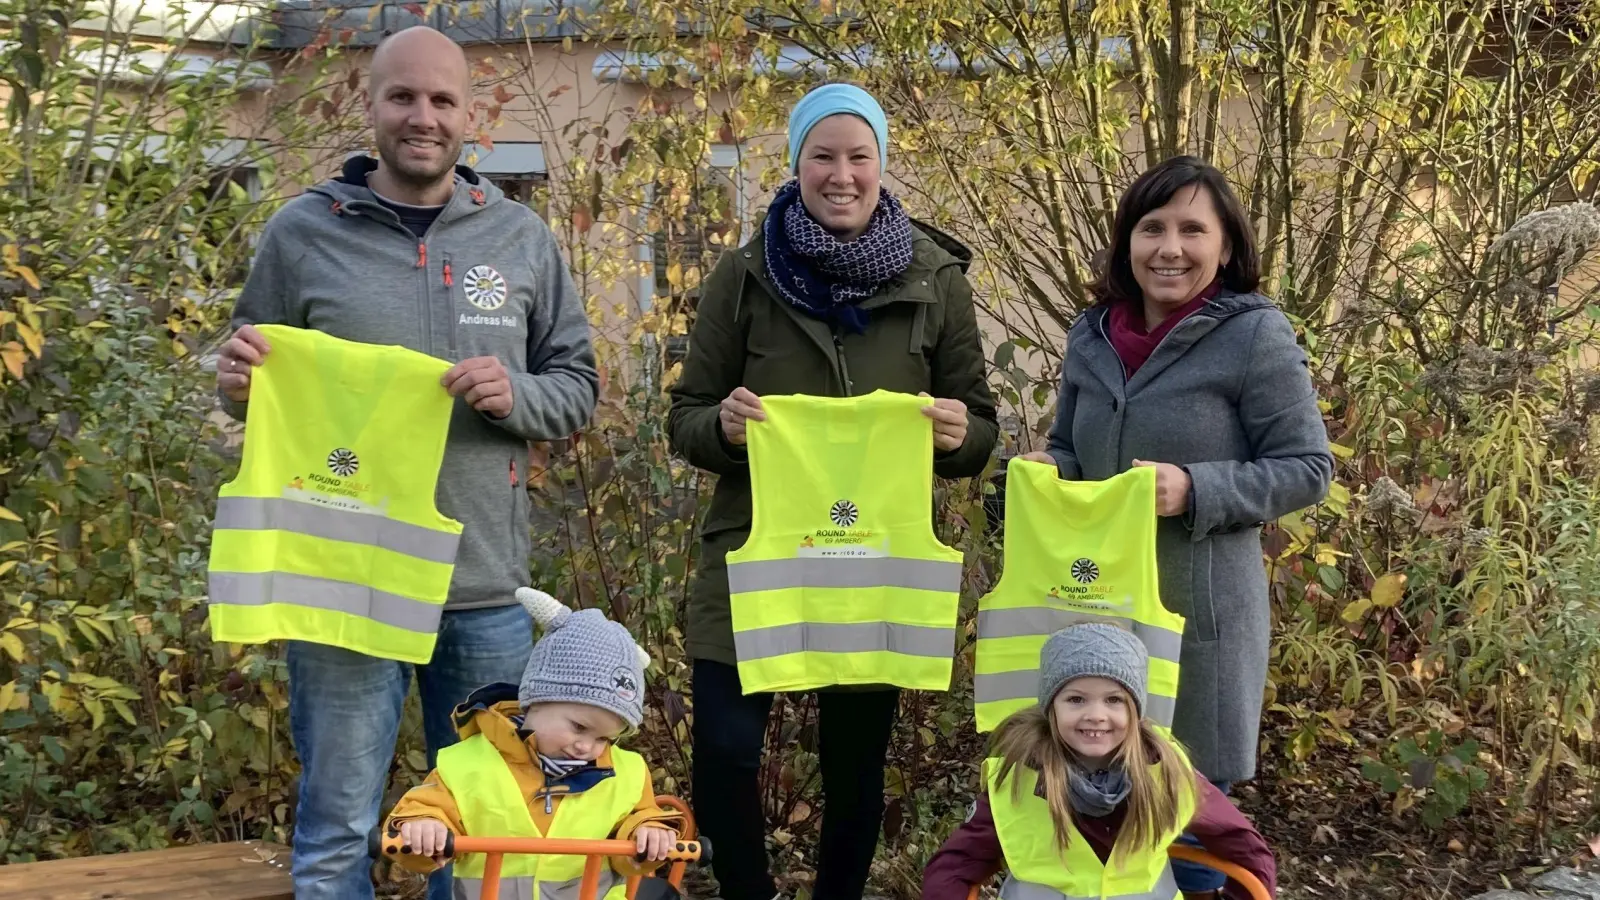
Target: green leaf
x,y
1386,778
1331,578
97,712
52,748
1004,354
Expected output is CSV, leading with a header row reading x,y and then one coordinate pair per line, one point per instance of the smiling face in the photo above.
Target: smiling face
x,y
1092,716
840,173
419,109
1176,250
573,730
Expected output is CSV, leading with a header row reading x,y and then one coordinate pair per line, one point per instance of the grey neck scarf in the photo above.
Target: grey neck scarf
x,y
1097,794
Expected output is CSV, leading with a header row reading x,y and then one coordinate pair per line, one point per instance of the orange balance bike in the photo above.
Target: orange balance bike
x,y
687,850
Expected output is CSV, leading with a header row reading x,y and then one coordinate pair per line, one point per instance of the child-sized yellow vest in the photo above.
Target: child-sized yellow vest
x,y
329,533
492,806
842,580
1038,869
1075,551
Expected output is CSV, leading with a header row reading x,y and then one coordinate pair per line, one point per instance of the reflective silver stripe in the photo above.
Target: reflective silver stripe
x,y
521,887
1166,888
1015,889
511,888
280,514
1023,684
259,588
778,640
844,572
568,890
1014,685
1043,621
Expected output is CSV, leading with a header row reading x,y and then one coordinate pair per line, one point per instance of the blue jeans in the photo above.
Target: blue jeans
x,y
1194,878
344,717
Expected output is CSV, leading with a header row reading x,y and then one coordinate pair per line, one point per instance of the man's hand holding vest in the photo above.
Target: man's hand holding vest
x,y
484,383
949,423
242,352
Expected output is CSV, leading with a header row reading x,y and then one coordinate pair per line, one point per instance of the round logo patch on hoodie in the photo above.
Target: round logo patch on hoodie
x,y
485,288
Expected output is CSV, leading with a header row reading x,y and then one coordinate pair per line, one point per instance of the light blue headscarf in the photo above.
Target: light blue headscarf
x,y
829,100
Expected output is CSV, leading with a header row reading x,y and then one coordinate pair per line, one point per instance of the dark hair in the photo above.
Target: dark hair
x,y
1155,189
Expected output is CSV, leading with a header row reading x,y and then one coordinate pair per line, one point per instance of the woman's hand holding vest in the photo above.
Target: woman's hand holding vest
x,y
739,407
1172,488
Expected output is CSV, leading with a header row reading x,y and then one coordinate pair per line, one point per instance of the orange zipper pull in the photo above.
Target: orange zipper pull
x,y
422,254
447,279
513,473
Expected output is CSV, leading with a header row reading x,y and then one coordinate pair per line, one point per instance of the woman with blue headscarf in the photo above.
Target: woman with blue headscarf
x,y
839,294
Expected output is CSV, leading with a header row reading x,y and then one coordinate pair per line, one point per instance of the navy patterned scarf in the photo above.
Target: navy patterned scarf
x,y
823,276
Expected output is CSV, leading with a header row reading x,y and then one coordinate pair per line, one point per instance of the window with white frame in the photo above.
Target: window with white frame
x,y
517,169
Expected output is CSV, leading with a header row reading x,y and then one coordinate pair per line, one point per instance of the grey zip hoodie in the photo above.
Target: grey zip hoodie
x,y
486,280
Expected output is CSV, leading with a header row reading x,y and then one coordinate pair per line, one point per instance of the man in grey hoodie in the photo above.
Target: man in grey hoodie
x,y
412,249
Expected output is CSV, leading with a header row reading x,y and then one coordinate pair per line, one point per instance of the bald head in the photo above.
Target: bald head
x,y
419,42
419,105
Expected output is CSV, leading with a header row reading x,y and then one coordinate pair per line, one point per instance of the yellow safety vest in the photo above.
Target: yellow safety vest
x,y
1075,551
492,806
1038,869
329,533
842,580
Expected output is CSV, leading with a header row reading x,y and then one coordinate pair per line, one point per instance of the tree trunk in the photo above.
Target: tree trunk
x,y
1180,77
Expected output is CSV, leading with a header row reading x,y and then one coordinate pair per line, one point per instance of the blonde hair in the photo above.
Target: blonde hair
x,y
1154,806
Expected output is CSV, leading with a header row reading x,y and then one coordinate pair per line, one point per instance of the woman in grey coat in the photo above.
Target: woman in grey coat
x,y
1181,365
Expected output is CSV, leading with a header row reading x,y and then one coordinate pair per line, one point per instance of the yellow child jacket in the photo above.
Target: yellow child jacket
x,y
490,711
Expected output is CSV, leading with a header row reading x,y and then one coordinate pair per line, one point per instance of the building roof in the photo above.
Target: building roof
x,y
297,22
291,24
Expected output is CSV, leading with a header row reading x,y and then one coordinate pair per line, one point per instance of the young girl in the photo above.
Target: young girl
x,y
1083,797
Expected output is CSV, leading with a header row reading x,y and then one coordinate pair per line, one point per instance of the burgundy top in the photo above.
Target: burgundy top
x,y
972,855
1126,329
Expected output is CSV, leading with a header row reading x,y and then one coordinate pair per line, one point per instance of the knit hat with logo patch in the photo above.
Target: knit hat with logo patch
x,y
582,658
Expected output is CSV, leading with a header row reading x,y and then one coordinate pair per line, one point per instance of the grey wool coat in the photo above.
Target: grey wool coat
x,y
1227,395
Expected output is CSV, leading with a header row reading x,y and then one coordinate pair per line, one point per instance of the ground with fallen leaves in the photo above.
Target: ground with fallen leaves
x,y
1336,835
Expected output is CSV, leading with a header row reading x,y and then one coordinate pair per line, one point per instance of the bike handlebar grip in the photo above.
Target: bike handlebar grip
x,y
390,843
685,851
690,851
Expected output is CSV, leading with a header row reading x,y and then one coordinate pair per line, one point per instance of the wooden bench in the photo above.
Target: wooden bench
x,y
246,870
